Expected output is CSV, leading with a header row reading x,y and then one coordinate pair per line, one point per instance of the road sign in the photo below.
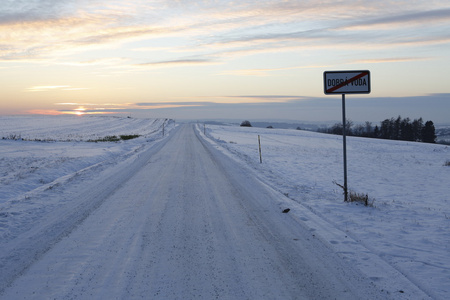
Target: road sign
x,y
346,82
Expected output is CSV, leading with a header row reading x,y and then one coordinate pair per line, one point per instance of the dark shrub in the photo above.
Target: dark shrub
x,y
246,124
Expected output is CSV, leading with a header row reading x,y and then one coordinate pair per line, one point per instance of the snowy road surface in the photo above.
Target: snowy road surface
x,y
181,222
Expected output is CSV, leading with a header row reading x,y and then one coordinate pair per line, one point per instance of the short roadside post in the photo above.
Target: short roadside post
x,y
260,156
346,82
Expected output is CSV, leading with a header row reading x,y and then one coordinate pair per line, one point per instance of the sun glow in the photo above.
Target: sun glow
x,y
82,113
79,111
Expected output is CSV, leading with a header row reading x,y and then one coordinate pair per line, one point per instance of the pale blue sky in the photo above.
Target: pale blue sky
x,y
224,59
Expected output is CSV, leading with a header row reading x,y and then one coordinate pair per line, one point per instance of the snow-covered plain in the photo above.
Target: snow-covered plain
x,y
37,151
405,232
407,183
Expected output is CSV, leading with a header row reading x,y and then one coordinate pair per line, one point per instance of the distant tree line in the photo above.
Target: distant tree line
x,y
392,129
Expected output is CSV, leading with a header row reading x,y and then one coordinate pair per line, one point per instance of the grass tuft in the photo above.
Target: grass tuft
x,y
360,198
357,197
113,138
129,136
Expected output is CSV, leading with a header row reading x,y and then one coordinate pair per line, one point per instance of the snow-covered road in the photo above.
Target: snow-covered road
x,y
182,222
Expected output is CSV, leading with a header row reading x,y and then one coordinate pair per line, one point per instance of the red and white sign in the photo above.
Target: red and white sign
x,y
346,82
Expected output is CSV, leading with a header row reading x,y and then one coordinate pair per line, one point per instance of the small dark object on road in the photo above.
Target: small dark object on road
x,y
286,210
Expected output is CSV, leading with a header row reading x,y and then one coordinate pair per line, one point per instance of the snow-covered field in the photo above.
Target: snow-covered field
x,y
73,129
37,150
408,184
38,153
407,226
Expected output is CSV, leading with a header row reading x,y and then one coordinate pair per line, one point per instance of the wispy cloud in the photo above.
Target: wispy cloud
x,y
259,99
151,49
37,30
53,88
46,88
343,30
111,61
82,104
390,60
172,104
267,71
414,18
220,100
177,62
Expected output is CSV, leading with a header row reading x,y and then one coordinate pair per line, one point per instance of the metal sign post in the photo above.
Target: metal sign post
x,y
346,82
344,141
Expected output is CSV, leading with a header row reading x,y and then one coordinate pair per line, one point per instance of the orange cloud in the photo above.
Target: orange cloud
x,y
43,112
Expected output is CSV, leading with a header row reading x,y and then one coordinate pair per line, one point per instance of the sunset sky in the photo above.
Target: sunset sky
x,y
224,59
